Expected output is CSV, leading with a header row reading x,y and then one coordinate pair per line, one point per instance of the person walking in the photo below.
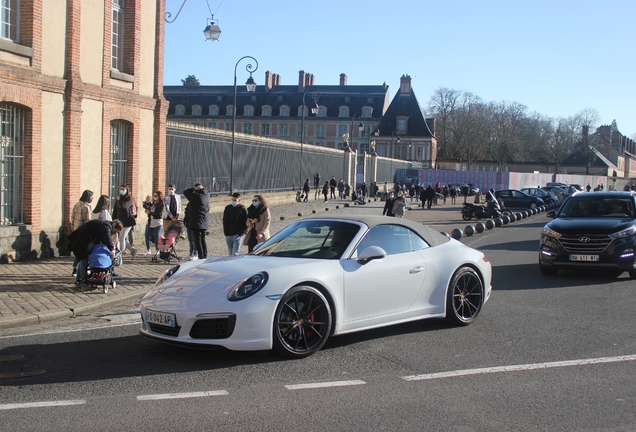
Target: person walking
x,y
199,215
341,189
102,208
306,189
82,210
453,194
430,195
82,240
388,205
125,211
399,205
445,192
234,223
171,208
317,185
325,191
154,210
332,186
258,218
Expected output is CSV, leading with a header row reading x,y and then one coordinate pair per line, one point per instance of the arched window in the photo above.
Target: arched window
x,y
343,111
248,110
12,131
322,111
301,109
119,141
266,111
367,111
229,110
284,111
196,110
213,110
179,110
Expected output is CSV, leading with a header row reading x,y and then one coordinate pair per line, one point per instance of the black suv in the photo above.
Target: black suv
x,y
591,230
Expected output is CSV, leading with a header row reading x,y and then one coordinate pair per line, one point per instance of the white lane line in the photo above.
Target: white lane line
x,y
522,367
42,404
183,395
324,384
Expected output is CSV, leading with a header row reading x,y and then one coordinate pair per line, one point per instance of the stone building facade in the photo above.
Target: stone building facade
x,y
81,107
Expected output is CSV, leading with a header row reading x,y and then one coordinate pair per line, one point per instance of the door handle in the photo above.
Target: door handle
x,y
416,270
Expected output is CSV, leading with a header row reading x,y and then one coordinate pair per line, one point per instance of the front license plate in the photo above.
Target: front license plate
x,y
161,318
583,257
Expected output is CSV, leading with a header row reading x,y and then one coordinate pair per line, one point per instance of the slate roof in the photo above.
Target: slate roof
x,y
407,105
331,96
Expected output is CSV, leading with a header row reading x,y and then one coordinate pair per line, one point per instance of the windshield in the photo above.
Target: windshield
x,y
316,239
589,206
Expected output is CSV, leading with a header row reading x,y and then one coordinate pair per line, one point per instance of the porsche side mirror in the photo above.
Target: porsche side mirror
x,y
371,253
551,214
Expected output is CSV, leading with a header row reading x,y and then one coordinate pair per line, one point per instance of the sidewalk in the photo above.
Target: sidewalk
x,y
43,290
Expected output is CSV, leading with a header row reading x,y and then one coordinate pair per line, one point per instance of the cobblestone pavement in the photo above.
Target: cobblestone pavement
x,y
41,290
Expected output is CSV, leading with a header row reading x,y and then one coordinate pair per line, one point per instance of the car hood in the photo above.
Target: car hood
x,y
589,225
217,276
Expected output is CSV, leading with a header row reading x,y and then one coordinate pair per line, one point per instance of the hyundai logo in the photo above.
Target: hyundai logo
x,y
584,239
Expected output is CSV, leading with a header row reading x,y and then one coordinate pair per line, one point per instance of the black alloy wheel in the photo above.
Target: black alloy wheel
x,y
465,297
302,323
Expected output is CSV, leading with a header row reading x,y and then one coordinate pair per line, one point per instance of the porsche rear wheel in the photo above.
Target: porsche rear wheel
x,y
465,297
302,322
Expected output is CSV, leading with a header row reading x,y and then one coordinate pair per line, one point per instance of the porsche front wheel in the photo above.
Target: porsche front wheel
x,y
465,297
302,322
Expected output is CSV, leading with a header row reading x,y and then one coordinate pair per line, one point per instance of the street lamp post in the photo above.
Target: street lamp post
x,y
360,128
251,87
391,155
314,110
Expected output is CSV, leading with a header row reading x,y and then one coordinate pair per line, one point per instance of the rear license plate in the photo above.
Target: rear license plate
x,y
161,318
583,257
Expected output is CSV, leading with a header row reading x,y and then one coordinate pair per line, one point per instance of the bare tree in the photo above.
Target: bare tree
x,y
467,134
441,105
505,131
587,120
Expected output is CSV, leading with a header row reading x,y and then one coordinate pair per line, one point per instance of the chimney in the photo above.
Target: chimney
x,y
405,84
276,79
343,79
301,80
268,80
311,79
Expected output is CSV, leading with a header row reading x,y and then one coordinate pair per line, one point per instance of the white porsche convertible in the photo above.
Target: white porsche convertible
x,y
317,278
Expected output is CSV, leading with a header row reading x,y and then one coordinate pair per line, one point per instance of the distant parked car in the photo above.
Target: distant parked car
x,y
560,192
546,196
472,189
513,198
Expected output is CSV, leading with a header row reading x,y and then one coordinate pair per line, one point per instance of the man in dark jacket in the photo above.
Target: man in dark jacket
x,y
430,195
93,232
198,217
388,205
234,227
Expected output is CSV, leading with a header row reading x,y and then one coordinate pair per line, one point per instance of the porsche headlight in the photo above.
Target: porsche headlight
x,y
248,287
550,233
625,233
167,275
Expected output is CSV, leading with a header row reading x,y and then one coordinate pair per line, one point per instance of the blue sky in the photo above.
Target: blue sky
x,y
557,57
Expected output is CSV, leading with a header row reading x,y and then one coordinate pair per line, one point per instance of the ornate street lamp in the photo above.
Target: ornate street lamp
x,y
391,155
251,87
314,110
211,32
360,129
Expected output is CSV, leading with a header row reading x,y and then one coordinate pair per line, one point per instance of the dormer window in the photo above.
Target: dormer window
x,y
347,99
213,110
401,125
266,111
302,109
367,111
253,98
280,98
179,110
343,111
248,110
284,111
370,100
229,110
219,98
322,111
196,110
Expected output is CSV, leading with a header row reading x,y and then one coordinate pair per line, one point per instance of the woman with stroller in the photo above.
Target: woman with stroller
x,y
154,210
258,219
102,208
125,211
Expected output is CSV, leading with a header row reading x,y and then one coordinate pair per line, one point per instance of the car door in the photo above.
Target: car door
x,y
385,286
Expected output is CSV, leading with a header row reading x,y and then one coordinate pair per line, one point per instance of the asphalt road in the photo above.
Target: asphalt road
x,y
546,354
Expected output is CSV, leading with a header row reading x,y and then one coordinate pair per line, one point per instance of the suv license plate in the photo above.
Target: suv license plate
x,y
161,318
584,258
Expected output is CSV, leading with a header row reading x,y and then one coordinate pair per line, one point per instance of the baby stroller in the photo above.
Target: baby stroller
x,y
166,246
100,269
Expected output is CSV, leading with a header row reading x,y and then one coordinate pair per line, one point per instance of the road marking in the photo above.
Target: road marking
x,y
522,367
183,395
324,384
42,404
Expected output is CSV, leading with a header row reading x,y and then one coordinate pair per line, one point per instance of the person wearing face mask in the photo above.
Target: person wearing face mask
x,y
198,217
258,219
388,205
399,205
172,207
125,211
234,224
154,210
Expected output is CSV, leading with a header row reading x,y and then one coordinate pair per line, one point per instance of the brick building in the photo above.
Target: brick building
x,y
81,107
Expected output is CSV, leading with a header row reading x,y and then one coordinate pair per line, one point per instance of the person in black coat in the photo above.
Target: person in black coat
x,y
198,216
90,233
430,195
388,205
234,224
306,189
